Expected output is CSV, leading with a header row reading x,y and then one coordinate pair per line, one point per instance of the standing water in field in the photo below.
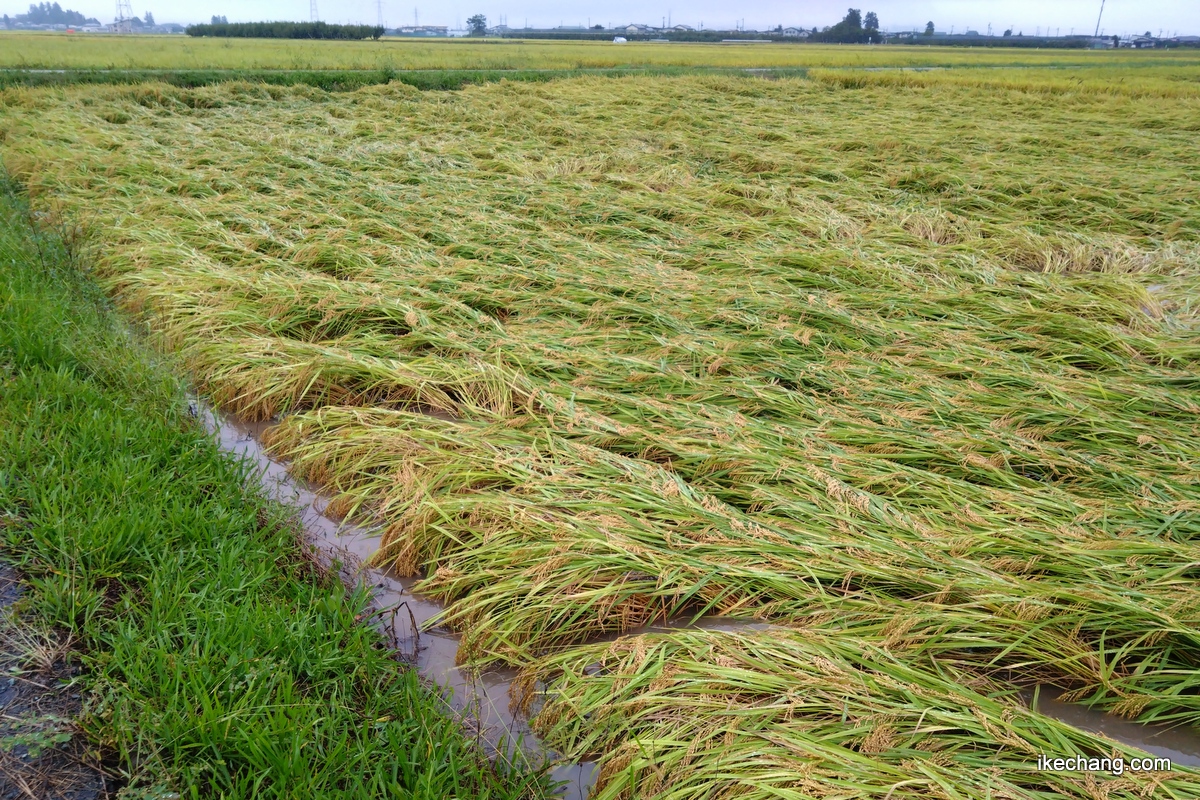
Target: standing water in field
x,y
1180,744
483,698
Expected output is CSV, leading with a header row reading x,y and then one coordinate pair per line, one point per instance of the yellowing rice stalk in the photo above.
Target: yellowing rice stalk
x,y
30,50
903,368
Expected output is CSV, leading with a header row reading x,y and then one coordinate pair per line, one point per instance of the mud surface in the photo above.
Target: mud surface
x,y
42,752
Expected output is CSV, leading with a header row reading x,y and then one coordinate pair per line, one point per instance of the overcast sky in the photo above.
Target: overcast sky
x,y
1120,16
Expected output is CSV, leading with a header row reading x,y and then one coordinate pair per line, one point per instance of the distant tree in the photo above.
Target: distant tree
x,y
7,23
871,27
219,20
597,27
285,30
929,29
51,14
1148,34
477,25
150,20
849,30
1116,41
1008,32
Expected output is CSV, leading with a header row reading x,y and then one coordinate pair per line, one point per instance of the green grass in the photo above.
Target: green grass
x,y
219,663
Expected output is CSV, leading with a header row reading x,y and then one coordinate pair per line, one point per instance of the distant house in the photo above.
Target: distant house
x,y
798,33
682,29
1100,43
422,30
635,28
1143,42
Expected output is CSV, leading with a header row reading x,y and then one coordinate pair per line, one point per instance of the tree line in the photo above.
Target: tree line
x,y
284,30
853,29
52,14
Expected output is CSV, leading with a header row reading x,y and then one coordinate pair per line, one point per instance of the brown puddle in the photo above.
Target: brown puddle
x,y
481,697
1181,744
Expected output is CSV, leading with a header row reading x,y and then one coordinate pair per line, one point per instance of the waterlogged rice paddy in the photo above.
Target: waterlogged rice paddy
x,y
904,367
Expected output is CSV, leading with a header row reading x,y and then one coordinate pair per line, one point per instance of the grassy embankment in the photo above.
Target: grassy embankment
x,y
219,662
878,365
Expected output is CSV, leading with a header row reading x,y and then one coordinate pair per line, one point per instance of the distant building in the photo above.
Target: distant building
x,y
1143,42
422,30
798,33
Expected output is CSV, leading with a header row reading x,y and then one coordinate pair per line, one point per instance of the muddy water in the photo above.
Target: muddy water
x,y
404,616
1180,744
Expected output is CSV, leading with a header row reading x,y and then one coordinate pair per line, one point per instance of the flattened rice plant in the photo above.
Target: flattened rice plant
x,y
903,367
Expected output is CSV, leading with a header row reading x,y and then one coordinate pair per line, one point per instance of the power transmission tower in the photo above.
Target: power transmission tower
x,y
313,16
124,15
379,13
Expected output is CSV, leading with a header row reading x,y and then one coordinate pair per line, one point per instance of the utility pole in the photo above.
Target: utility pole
x,y
1099,18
